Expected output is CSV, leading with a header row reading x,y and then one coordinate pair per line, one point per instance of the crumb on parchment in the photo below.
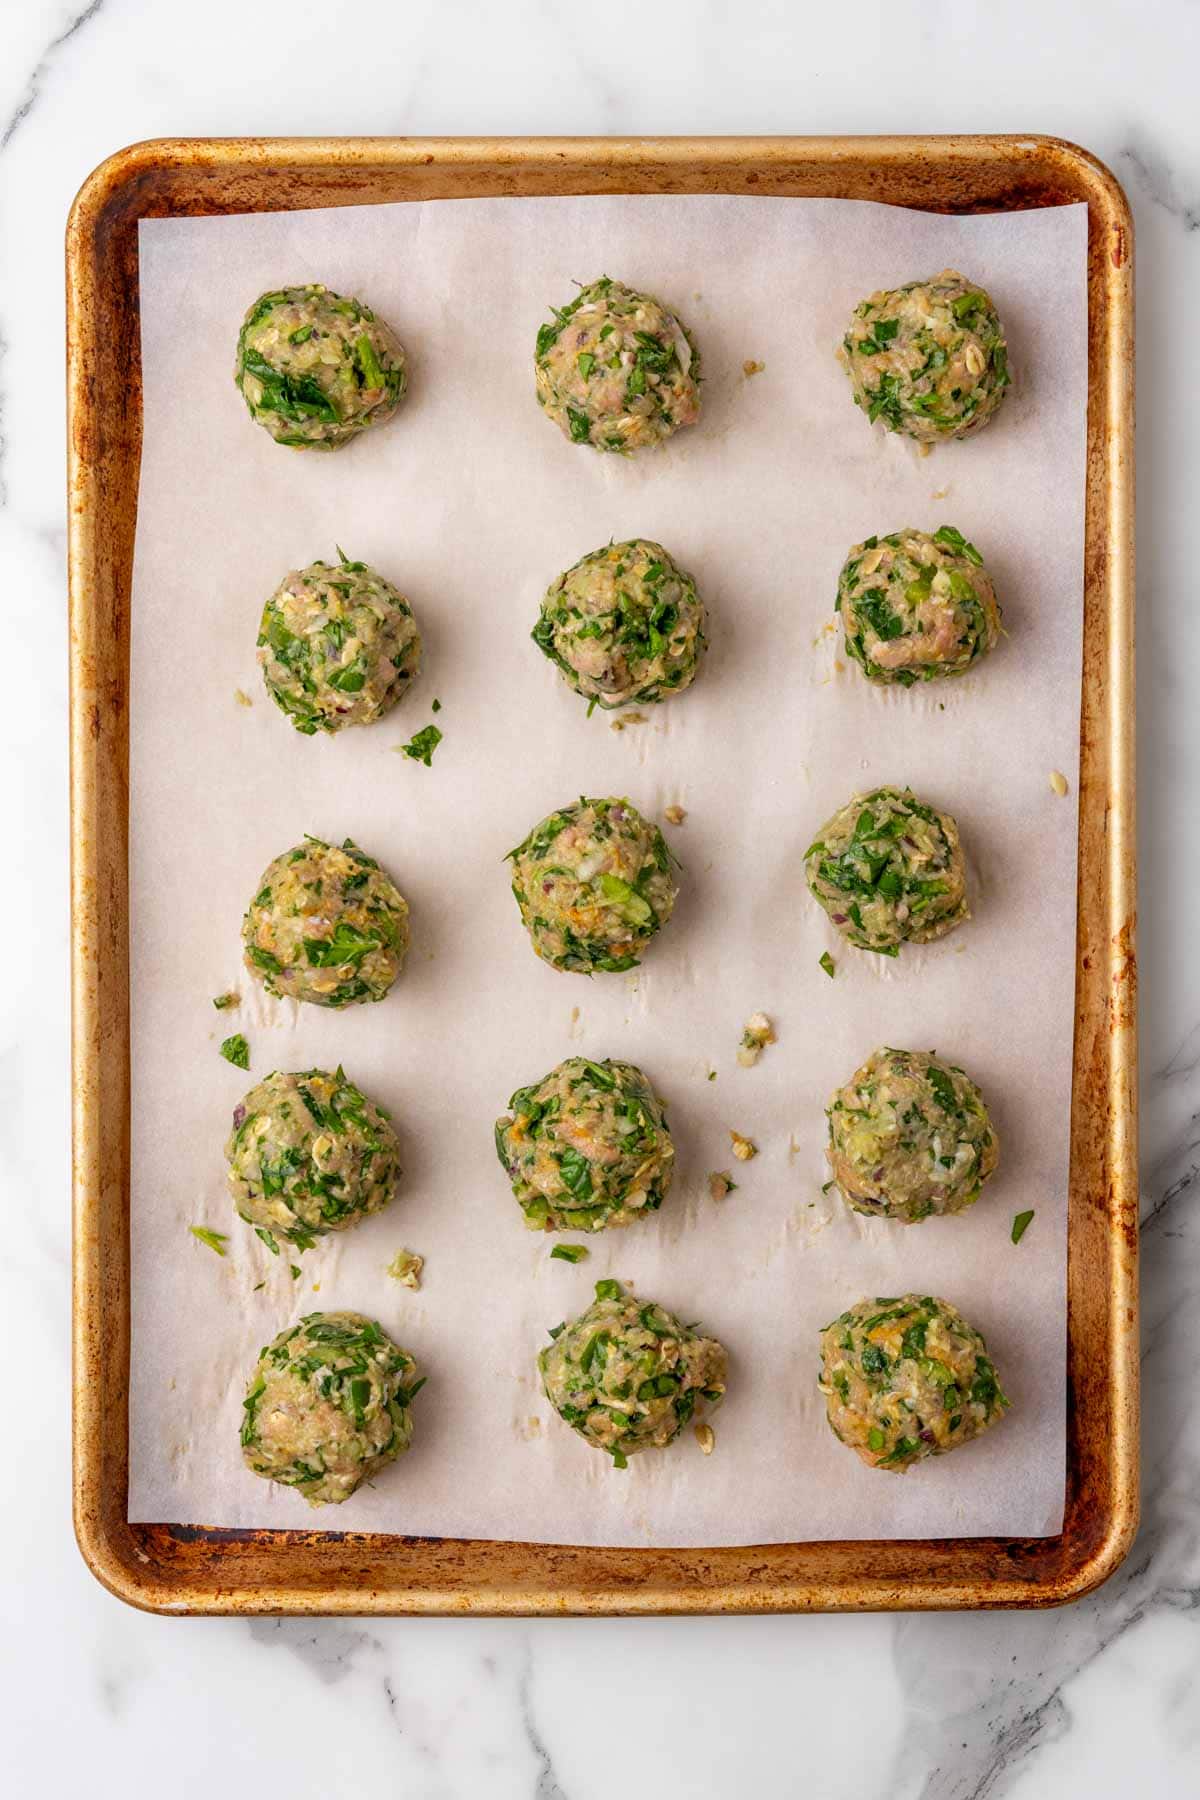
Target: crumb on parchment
x,y
743,1147
756,1035
632,718
405,1267
242,698
752,366
721,1183
674,815
706,1437
1058,782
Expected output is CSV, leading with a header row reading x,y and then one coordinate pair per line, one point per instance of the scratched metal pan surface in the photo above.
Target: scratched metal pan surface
x,y
168,1567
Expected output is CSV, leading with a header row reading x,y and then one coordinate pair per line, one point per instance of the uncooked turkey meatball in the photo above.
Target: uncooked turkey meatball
x,y
928,359
593,882
625,625
889,871
906,1379
317,370
310,1154
916,606
627,1375
338,645
327,925
616,369
328,1406
587,1147
910,1137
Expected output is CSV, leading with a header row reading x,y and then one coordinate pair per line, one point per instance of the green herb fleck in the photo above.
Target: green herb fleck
x,y
216,1240
236,1050
571,1253
222,1001
608,1290
827,963
421,747
1021,1224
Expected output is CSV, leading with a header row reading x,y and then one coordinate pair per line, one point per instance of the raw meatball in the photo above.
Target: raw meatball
x,y
910,1136
915,607
593,882
309,1154
929,359
889,871
625,625
617,370
328,1406
587,1147
338,645
326,925
906,1379
628,1376
315,369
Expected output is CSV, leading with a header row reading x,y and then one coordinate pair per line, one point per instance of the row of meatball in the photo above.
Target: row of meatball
x,y
338,644
329,1403
588,1147
594,882
618,370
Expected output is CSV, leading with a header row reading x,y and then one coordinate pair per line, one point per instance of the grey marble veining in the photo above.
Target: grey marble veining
x,y
1100,1699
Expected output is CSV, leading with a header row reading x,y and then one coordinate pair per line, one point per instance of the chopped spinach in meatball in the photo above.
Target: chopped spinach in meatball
x,y
338,645
328,1406
909,1137
625,625
309,1154
327,925
587,1147
889,871
916,606
593,882
616,370
906,1379
316,370
627,1375
929,359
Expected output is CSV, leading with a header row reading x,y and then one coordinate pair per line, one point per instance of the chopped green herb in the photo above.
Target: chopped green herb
x,y
571,1253
421,747
608,1290
216,1240
1021,1224
827,963
436,707
222,1001
236,1050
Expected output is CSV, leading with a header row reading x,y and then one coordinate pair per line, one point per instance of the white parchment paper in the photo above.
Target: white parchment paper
x,y
471,502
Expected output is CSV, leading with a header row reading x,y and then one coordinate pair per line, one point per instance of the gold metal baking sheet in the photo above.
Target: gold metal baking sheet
x,y
174,1568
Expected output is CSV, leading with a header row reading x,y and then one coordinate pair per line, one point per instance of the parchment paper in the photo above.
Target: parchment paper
x,y
471,502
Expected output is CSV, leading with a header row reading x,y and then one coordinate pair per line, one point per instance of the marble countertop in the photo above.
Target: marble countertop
x,y
1101,1698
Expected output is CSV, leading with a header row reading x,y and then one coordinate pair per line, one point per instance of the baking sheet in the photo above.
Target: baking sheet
x,y
471,502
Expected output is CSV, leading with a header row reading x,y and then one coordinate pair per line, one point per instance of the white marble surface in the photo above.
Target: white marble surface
x,y
1102,1699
